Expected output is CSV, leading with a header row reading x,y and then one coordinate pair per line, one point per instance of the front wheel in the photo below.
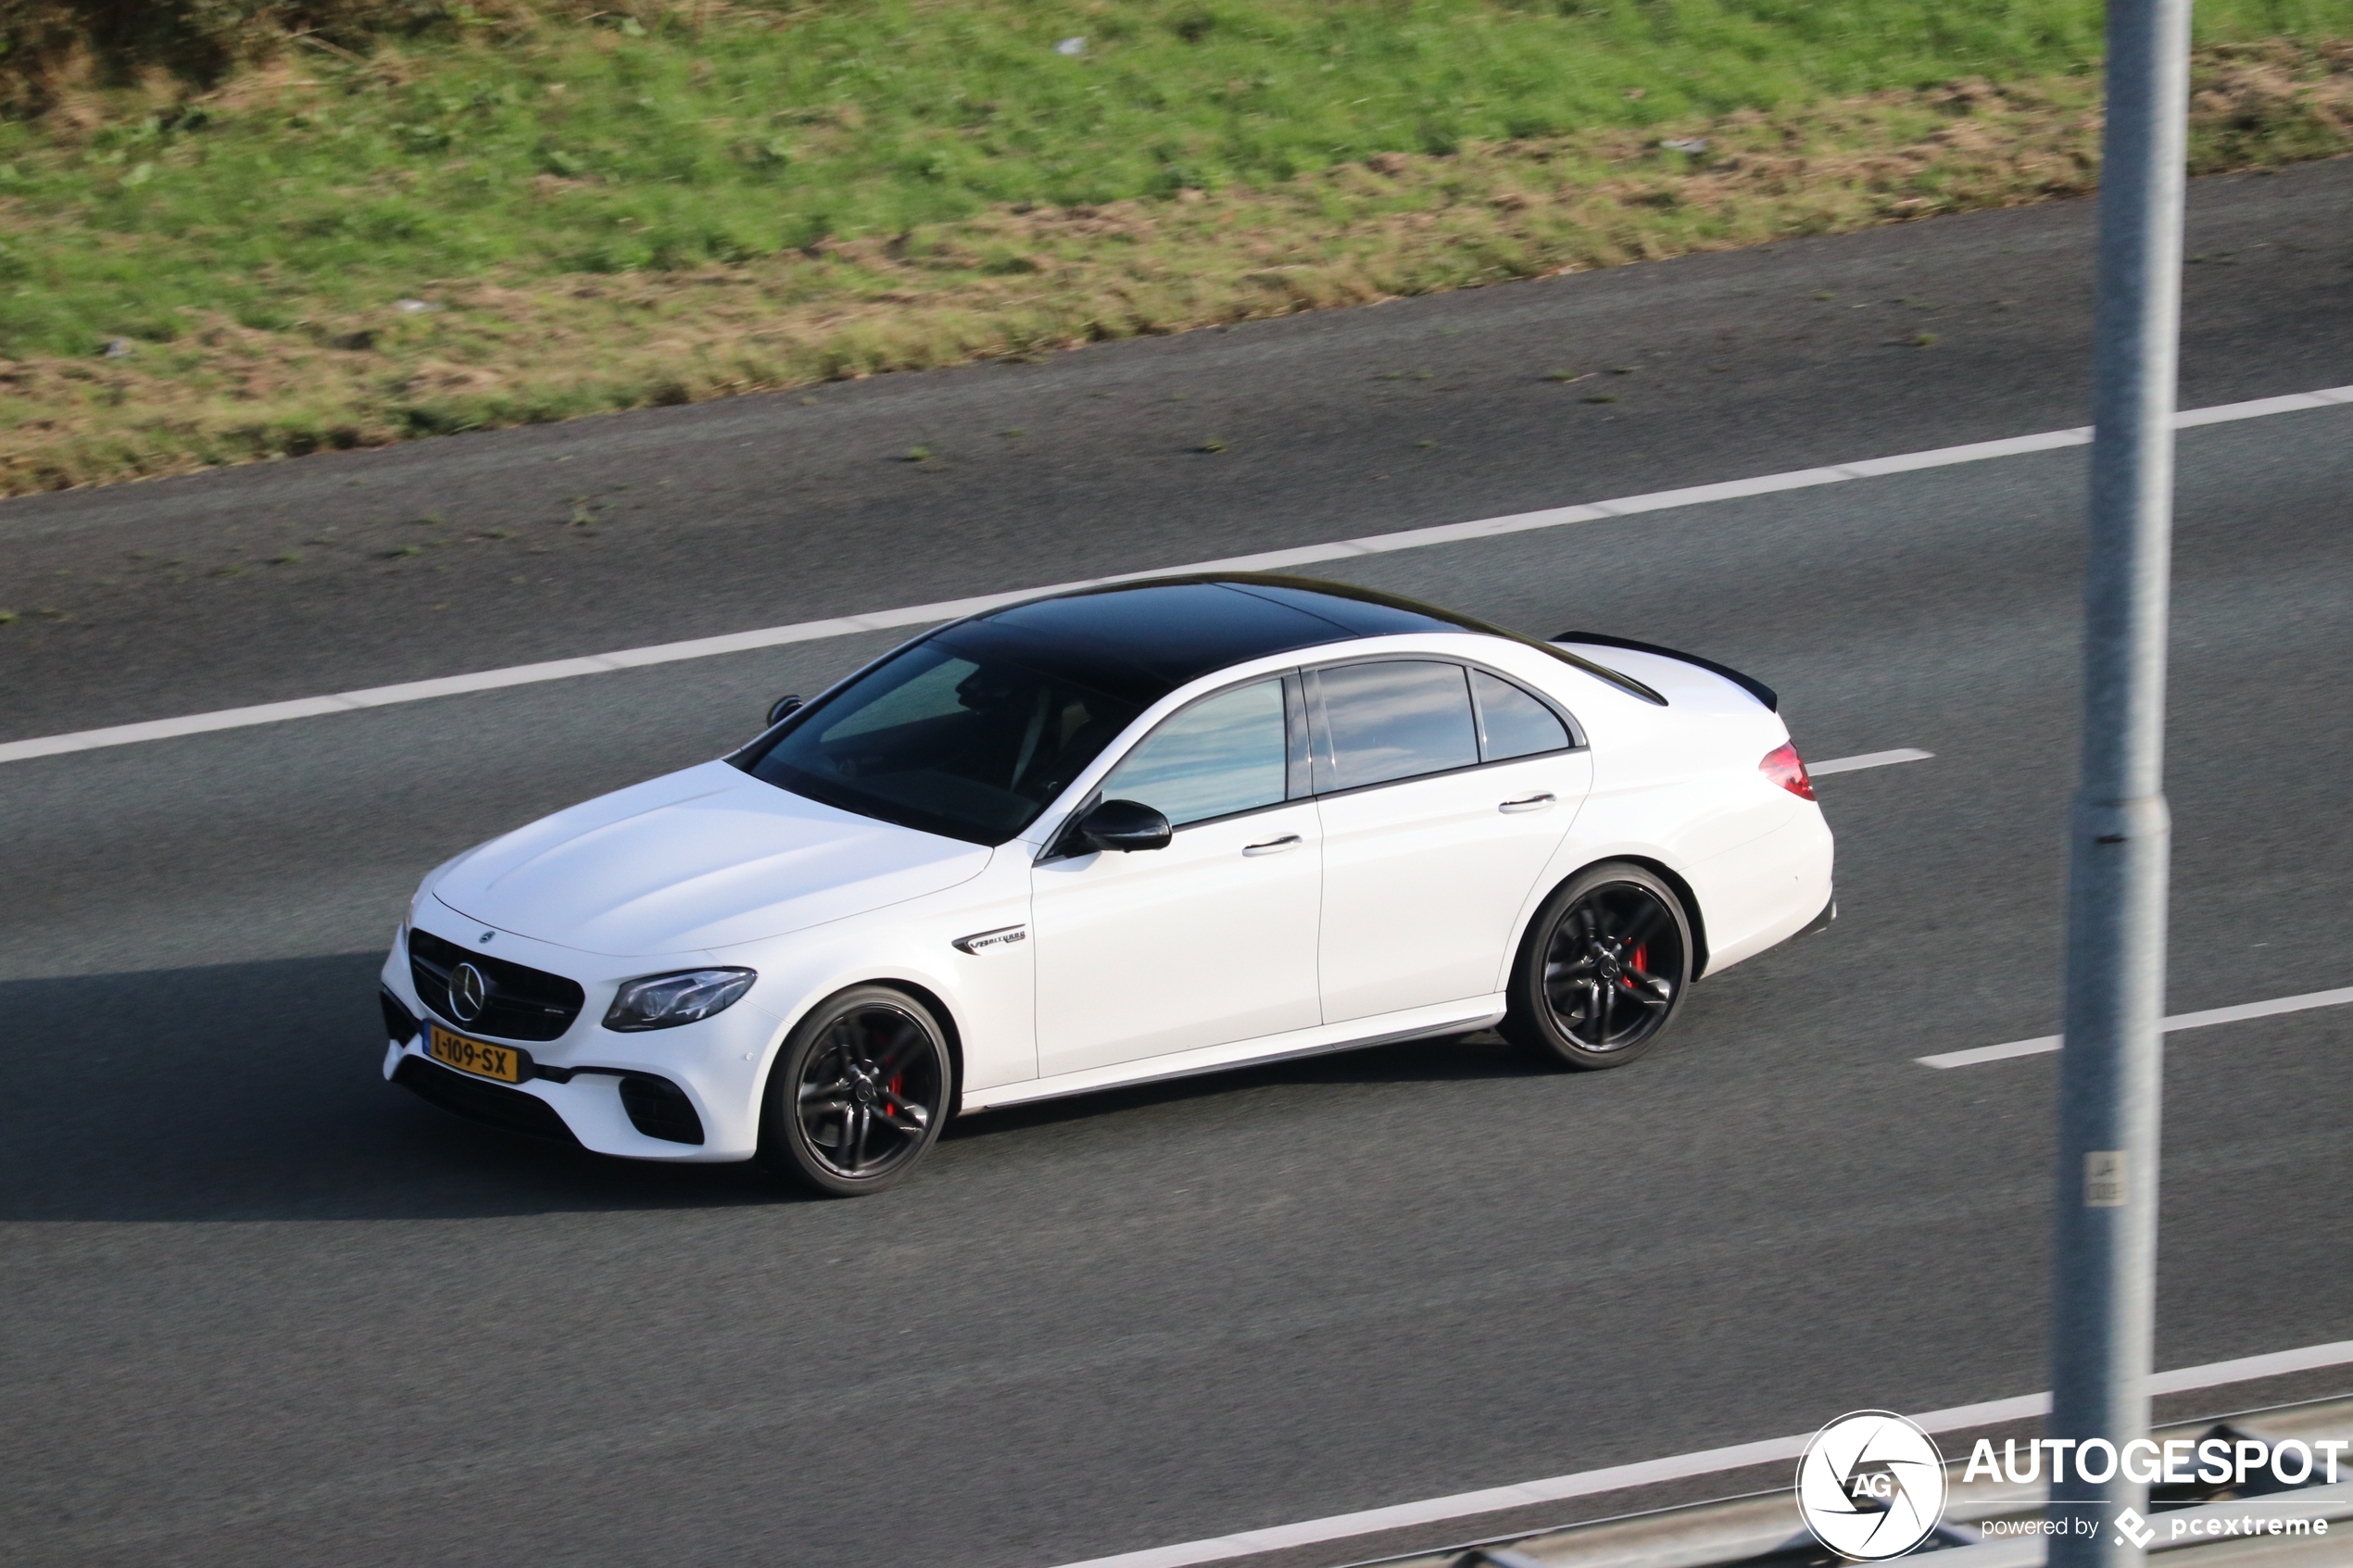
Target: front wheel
x,y
1604,966
858,1094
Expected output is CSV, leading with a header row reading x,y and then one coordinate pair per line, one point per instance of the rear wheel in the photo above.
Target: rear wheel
x,y
1603,968
858,1093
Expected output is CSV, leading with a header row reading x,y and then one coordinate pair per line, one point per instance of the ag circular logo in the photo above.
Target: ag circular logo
x,y
467,993
1871,1485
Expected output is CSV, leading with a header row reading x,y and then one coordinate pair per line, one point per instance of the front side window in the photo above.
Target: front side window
x,y
968,745
1224,754
1393,720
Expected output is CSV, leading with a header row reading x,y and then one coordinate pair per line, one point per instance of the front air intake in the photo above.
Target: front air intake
x,y
492,1104
660,1109
400,1024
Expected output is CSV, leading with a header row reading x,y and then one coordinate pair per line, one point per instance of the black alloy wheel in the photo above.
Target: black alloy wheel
x,y
858,1094
1604,966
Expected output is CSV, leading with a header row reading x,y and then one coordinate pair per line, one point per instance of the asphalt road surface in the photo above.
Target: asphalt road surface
x,y
698,520
262,1309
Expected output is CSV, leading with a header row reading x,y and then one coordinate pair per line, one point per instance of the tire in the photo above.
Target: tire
x,y
858,1093
1603,969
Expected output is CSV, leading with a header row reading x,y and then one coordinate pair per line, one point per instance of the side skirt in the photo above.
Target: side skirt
x,y
1383,1029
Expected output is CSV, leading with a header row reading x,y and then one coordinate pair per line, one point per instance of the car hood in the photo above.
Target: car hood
x,y
708,858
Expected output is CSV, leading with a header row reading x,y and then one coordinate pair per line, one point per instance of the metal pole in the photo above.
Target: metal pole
x,y
2110,1075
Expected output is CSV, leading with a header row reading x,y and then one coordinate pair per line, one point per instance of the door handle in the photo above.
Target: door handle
x,y
1533,803
1274,845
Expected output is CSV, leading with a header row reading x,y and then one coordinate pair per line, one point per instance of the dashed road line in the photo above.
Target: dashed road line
x,y
1867,760
1269,560
2046,1043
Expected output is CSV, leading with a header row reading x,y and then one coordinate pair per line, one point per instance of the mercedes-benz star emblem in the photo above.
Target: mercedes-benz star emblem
x,y
468,991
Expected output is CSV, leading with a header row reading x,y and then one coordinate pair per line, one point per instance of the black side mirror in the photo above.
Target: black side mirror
x,y
1125,825
781,706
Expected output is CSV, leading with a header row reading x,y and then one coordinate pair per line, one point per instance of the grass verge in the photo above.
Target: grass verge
x,y
231,313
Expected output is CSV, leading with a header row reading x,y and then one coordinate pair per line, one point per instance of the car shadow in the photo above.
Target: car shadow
x,y
253,1091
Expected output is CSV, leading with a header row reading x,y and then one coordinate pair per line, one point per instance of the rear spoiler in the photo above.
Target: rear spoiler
x,y
1748,683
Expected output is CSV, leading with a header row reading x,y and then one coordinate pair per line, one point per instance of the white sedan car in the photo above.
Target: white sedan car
x,y
1112,835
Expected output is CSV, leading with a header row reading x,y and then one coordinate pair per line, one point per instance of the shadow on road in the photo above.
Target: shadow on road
x,y
252,1092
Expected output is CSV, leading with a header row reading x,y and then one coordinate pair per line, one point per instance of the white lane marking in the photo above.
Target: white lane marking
x,y
1707,1462
2179,1021
1867,760
1270,561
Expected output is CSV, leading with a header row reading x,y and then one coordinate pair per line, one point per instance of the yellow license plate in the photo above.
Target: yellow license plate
x,y
502,1062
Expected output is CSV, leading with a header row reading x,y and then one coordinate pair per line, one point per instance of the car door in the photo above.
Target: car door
x,y
1205,942
1444,791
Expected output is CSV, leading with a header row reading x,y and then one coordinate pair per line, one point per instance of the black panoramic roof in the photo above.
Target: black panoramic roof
x,y
1142,640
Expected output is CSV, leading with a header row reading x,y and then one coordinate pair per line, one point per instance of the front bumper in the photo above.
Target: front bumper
x,y
478,1100
689,1093
1822,922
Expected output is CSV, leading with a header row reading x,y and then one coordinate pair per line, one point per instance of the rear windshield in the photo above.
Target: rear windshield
x,y
963,742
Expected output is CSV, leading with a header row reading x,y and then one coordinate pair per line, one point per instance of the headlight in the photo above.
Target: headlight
x,y
664,1001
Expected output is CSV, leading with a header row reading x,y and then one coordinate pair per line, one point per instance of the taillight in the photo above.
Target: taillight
x,y
1786,767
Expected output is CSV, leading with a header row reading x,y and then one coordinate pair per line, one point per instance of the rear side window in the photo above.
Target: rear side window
x,y
1224,754
1511,721
1393,720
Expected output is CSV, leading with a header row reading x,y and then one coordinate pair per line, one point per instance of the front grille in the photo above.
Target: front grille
x,y
660,1109
518,1004
399,1027
496,1104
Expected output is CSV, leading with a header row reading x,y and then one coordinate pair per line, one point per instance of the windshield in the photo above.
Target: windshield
x,y
964,744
